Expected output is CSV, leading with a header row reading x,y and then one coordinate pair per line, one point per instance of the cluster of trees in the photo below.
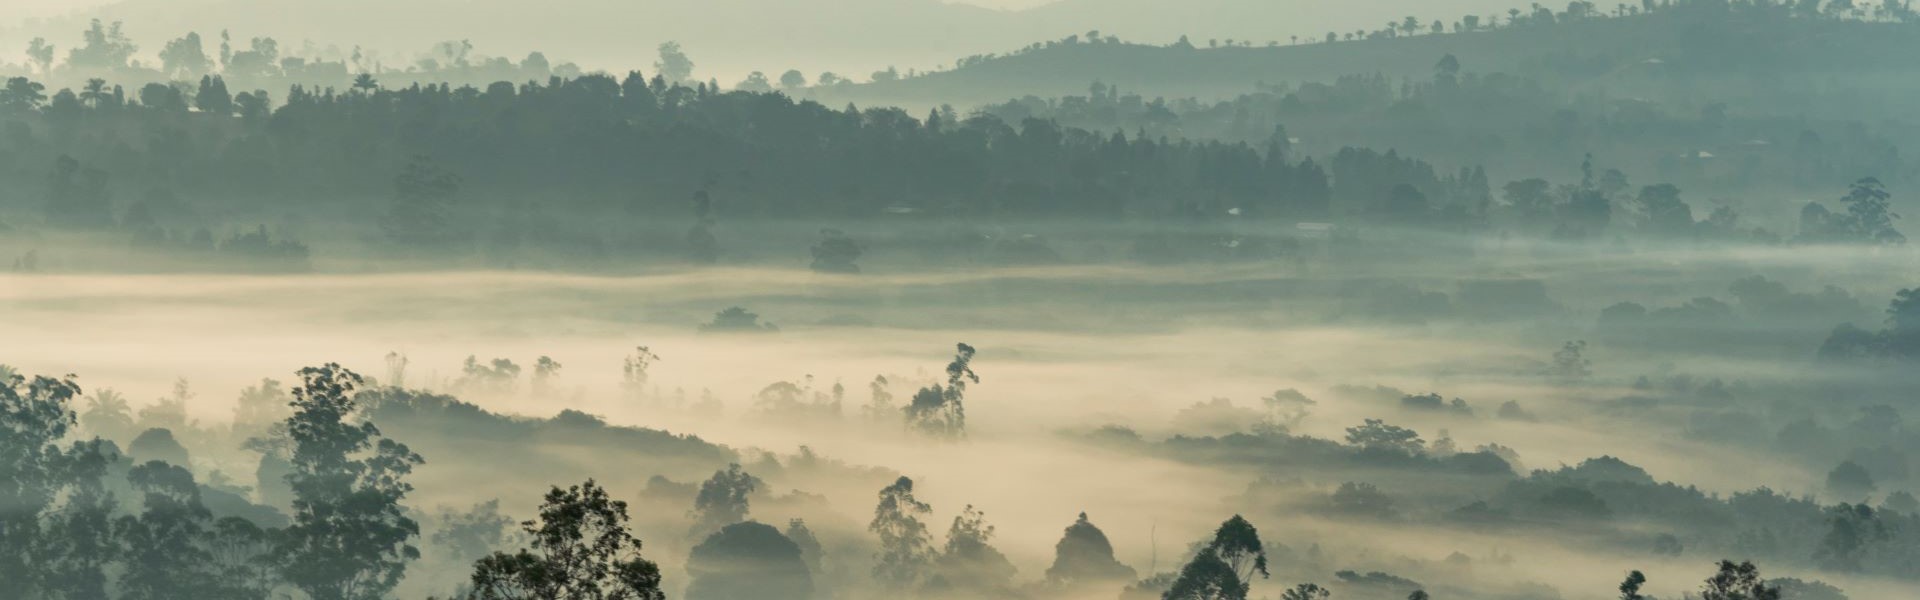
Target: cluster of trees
x,y
104,50
1899,341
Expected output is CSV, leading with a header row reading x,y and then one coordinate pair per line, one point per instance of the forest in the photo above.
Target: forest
x,y
1604,302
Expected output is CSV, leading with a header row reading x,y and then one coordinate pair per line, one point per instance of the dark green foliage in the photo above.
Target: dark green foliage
x,y
581,550
1738,582
1083,555
1852,531
940,411
1363,500
423,202
54,510
350,538
1238,543
175,549
748,561
1375,435
1306,591
737,320
836,252
906,548
1207,577
722,499
158,444
970,562
1630,587
1868,217
1224,568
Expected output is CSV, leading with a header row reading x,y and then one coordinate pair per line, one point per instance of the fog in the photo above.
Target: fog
x,y
1083,299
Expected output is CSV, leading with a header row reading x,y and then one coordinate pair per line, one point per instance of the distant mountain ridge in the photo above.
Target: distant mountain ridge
x,y
726,38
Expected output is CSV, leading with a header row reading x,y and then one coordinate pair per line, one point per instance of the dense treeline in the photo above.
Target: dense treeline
x,y
438,167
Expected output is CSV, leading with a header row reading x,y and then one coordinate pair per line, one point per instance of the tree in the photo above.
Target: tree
x,y
185,58
674,64
1852,530
735,319
1570,362
938,411
95,94
1376,435
1530,199
21,95
836,252
107,47
54,511
756,82
748,561
1307,591
350,538
1630,588
422,205
1237,543
906,548
1083,555
213,97
1869,217
810,549
970,561
1738,582
793,80
722,499
167,544
1206,577
40,54
1664,211
581,550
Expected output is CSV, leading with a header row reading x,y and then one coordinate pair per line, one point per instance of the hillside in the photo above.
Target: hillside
x,y
1740,57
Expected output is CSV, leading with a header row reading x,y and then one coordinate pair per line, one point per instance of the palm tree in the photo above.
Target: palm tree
x,y
365,82
94,92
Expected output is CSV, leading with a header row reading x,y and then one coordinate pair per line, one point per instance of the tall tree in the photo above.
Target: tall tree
x,y
905,546
939,411
350,538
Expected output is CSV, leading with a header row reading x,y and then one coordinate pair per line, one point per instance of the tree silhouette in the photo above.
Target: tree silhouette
x,y
581,549
350,538
906,549
748,561
674,64
969,560
1084,555
722,499
1738,582
939,411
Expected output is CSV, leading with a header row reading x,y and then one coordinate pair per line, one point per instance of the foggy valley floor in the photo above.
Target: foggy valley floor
x,y
1064,362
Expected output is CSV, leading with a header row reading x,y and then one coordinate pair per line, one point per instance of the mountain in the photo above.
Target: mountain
x,y
1748,59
